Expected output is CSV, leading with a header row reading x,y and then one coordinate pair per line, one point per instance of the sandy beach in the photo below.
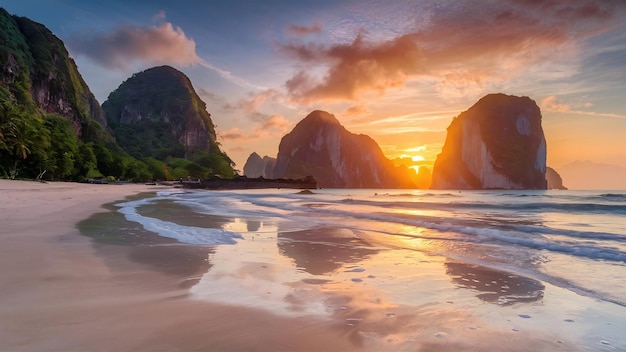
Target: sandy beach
x,y
76,275
59,293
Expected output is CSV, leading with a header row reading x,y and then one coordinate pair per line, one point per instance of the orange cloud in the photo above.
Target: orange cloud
x,y
258,99
276,122
550,103
162,44
274,125
356,110
353,68
233,134
463,47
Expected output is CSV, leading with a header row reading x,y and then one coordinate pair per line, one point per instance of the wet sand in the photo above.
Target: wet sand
x,y
61,291
75,276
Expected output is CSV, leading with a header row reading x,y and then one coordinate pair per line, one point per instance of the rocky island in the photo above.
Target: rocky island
x,y
497,144
319,146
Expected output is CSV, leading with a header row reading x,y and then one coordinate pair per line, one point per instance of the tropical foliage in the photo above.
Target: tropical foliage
x,y
52,127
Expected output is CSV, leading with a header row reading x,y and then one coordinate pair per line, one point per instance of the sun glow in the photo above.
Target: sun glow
x,y
412,157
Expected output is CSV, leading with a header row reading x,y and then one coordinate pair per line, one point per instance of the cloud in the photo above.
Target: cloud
x,y
353,67
227,75
463,47
233,134
356,110
161,44
266,126
159,16
550,103
257,99
303,30
125,45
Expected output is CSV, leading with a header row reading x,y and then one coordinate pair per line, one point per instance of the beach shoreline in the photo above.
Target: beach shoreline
x,y
59,292
76,274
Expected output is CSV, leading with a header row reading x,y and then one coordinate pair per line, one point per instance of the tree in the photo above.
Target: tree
x,y
86,162
64,147
22,135
219,164
104,157
156,168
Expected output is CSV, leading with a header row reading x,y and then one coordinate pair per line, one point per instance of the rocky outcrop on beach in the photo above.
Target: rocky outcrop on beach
x,y
553,179
157,113
321,147
259,167
497,144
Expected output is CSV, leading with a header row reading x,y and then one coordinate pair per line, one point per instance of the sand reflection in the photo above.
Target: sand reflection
x,y
495,286
321,251
115,237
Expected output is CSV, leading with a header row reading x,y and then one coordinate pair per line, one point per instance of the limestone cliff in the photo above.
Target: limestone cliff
x,y
37,72
157,113
497,144
321,147
259,167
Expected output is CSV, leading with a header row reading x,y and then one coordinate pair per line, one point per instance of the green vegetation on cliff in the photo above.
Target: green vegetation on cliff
x,y
51,125
157,114
53,128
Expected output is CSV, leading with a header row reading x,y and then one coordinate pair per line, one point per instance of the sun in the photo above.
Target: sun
x,y
410,158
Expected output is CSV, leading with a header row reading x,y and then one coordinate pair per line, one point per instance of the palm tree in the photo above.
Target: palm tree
x,y
18,134
8,116
22,139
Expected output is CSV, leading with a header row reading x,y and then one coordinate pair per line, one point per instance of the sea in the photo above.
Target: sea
x,y
546,265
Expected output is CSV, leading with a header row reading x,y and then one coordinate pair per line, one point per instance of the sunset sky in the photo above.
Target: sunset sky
x,y
398,71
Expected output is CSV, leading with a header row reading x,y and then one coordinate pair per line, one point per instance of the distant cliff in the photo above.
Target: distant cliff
x,y
259,167
321,147
553,179
157,113
497,144
37,72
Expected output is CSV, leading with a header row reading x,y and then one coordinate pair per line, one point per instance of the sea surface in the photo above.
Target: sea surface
x,y
551,264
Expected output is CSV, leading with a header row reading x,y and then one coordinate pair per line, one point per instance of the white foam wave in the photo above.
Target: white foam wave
x,y
181,233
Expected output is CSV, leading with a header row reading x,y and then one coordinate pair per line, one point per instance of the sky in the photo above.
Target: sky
x,y
398,71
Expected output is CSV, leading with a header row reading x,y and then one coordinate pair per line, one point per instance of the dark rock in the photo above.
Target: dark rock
x,y
259,167
554,179
497,144
321,147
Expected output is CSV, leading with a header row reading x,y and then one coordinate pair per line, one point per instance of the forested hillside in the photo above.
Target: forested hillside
x,y
53,128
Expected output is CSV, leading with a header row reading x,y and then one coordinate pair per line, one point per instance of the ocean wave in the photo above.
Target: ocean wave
x,y
464,226
418,195
296,208
181,233
592,235
535,207
613,196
